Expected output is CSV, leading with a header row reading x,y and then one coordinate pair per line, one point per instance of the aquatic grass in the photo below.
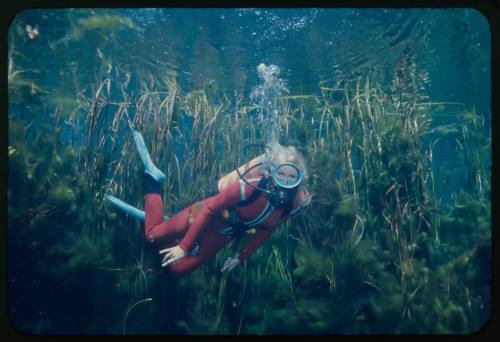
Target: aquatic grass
x,y
141,284
372,246
283,272
220,302
129,310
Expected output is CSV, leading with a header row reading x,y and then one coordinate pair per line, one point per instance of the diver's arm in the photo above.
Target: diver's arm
x,y
261,236
255,242
224,200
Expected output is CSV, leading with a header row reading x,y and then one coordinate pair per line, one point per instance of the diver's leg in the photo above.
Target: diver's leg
x,y
211,243
149,166
156,228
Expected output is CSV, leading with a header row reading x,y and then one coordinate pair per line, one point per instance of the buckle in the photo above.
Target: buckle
x,y
196,250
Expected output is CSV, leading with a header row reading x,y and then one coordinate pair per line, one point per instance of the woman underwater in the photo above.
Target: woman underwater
x,y
255,205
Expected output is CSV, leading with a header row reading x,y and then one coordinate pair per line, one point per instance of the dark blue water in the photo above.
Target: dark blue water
x,y
225,42
311,46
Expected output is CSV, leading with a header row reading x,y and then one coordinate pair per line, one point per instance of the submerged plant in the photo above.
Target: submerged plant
x,y
377,252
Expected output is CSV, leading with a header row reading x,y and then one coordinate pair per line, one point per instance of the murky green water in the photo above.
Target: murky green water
x,y
391,107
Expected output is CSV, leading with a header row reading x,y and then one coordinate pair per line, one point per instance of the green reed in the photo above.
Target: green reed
x,y
375,252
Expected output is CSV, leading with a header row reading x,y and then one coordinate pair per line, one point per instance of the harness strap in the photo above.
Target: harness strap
x,y
255,194
237,226
231,217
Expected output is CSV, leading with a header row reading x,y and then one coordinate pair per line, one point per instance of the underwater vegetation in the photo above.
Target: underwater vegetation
x,y
375,252
381,249
104,23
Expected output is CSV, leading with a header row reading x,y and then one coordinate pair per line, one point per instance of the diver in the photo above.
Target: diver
x,y
251,204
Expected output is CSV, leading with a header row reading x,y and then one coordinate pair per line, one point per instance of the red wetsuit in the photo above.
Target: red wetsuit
x,y
207,223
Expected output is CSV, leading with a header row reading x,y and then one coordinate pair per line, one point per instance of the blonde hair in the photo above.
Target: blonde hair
x,y
287,154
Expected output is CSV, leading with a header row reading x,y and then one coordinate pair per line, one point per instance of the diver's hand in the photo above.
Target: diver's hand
x,y
230,264
172,254
306,197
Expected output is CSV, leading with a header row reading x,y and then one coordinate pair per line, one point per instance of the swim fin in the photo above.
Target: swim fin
x,y
132,211
149,166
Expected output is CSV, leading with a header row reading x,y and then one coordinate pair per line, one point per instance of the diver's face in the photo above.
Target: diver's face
x,y
286,175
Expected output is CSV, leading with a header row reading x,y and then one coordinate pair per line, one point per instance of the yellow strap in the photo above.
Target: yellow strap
x,y
197,208
251,231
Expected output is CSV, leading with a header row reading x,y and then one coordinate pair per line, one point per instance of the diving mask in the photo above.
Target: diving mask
x,y
286,175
